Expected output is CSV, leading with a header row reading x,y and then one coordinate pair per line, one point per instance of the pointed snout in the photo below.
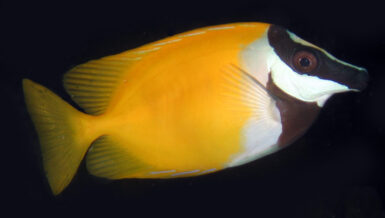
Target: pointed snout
x,y
359,79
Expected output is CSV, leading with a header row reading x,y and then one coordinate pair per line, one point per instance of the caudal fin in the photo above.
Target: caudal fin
x,y
62,133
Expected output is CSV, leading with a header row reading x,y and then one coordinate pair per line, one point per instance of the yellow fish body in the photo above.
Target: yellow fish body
x,y
181,106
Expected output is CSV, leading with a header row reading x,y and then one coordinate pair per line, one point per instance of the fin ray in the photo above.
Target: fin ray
x,y
107,158
242,89
60,130
96,81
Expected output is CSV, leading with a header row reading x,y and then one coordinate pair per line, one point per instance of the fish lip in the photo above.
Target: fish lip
x,y
357,79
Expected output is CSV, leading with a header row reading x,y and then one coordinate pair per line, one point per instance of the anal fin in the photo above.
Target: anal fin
x,y
108,159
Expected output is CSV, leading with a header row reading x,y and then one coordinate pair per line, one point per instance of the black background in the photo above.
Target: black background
x,y
335,170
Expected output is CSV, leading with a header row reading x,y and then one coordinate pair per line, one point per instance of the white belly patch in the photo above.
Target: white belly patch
x,y
259,136
261,131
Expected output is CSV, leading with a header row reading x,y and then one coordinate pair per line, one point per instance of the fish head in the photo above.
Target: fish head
x,y
307,72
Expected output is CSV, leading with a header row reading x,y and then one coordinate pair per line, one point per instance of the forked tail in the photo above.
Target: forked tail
x,y
64,133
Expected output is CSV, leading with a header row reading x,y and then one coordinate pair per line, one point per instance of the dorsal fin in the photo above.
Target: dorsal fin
x,y
91,85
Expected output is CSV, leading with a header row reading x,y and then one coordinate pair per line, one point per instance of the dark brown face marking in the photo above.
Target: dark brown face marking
x,y
296,115
311,61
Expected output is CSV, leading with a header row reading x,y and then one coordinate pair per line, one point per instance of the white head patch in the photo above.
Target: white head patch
x,y
278,54
301,86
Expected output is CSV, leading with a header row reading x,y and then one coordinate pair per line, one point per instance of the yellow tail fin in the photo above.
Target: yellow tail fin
x,y
64,133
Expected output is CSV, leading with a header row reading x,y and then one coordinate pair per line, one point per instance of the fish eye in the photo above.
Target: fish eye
x,y
304,61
